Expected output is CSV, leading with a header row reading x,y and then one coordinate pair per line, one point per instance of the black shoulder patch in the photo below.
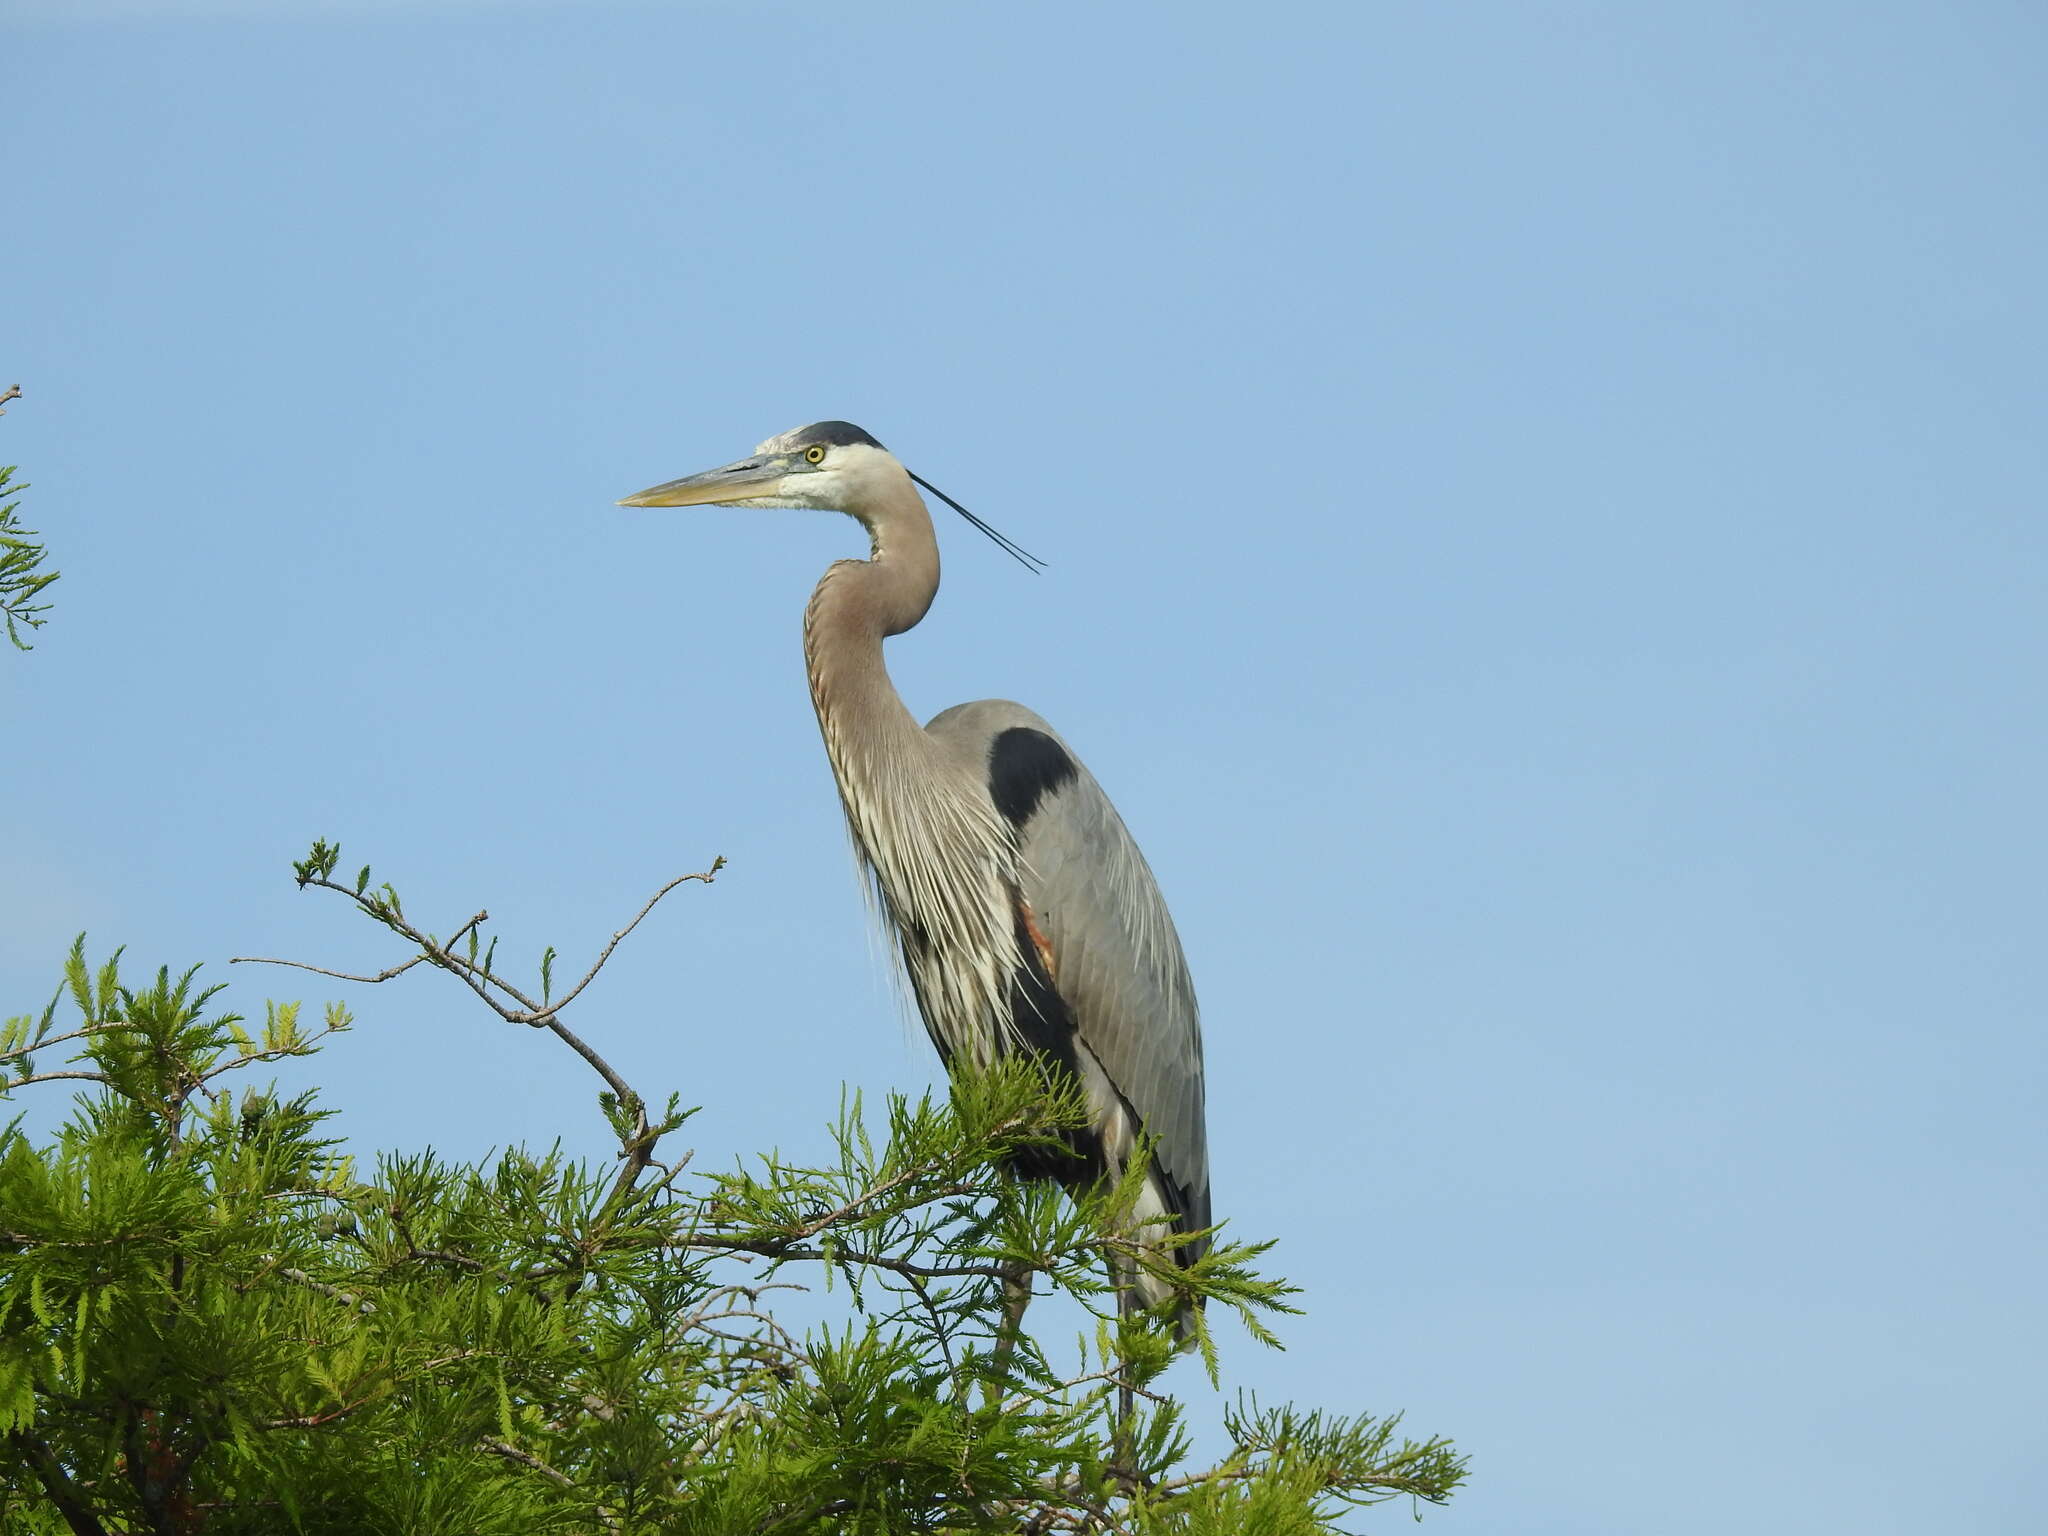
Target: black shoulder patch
x,y
1024,766
833,434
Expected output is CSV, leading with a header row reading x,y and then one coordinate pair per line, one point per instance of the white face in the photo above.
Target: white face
x,y
826,477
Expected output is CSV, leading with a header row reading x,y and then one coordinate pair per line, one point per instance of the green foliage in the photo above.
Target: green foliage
x,y
21,576
212,1318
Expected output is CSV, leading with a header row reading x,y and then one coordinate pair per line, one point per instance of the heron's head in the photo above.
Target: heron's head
x,y
831,466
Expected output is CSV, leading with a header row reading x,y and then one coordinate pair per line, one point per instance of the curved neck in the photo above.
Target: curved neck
x,y
857,605
941,855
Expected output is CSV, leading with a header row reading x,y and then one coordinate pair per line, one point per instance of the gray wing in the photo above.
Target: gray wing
x,y
1116,961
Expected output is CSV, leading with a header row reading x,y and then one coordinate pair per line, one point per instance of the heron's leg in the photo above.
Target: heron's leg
x,y
1016,1297
1120,1454
1122,1460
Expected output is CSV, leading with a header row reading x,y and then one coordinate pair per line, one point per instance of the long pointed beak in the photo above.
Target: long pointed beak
x,y
745,480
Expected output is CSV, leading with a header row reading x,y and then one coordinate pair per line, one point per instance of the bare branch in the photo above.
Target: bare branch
x,y
426,948
706,877
770,1248
636,1149
873,1192
527,1459
715,1424
43,1044
723,1293
277,1053
750,1342
347,1298
318,1420
321,970
1225,1473
13,393
11,1084
30,1240
512,1453
1115,1379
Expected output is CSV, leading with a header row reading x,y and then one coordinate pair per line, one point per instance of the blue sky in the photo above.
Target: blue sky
x,y
1546,518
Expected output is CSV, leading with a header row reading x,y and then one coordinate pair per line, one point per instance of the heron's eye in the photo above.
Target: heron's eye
x,y
815,454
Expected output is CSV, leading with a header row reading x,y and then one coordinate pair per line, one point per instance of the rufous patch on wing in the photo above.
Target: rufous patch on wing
x,y
1038,939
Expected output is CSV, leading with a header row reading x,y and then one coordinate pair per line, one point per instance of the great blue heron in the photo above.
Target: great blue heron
x,y
1027,918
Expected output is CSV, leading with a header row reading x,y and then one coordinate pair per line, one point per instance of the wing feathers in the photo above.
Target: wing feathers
x,y
1115,964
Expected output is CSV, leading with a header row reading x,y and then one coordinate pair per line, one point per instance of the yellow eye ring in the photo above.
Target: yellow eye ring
x,y
815,453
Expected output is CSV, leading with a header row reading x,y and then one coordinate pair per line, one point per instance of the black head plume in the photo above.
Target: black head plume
x,y
1015,551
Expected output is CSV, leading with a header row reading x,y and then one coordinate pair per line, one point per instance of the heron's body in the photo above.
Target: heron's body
x,y
1027,918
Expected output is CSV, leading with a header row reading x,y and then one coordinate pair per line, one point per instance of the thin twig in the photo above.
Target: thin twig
x,y
706,877
44,1043
715,1423
636,1148
940,1329
771,1249
527,1459
30,1240
304,1047
749,1342
317,1420
9,1084
1115,1380
480,981
1219,1474
321,970
720,1293
348,1298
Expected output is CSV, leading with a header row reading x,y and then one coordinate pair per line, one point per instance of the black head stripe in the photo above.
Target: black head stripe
x,y
833,434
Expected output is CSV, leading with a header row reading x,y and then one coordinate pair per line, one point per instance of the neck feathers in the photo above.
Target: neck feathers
x,y
942,858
